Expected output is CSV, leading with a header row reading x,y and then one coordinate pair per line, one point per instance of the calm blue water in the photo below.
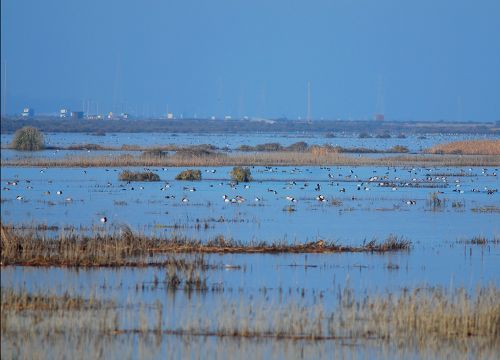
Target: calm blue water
x,y
371,211
379,208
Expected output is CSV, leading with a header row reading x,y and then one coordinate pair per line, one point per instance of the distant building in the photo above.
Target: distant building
x,y
110,115
170,116
379,117
95,117
227,117
28,112
76,115
64,113
124,116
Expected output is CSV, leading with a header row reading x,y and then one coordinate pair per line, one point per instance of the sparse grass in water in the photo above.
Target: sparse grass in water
x,y
418,318
481,240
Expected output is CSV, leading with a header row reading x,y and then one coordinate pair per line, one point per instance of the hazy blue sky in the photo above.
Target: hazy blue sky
x,y
425,59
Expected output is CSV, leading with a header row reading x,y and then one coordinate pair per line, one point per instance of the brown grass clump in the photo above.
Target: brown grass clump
x,y
241,174
469,147
190,174
127,175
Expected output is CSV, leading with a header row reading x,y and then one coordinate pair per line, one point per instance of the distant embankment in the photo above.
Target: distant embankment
x,y
470,147
53,124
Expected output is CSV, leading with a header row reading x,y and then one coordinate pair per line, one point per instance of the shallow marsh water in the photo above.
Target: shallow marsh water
x,y
438,257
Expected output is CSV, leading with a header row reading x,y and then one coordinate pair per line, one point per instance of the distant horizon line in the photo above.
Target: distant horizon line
x,y
104,118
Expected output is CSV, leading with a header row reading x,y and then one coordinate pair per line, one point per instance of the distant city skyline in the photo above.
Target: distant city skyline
x,y
424,60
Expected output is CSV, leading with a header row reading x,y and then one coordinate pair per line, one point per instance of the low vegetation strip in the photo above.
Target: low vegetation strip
x,y
469,147
126,248
421,317
320,158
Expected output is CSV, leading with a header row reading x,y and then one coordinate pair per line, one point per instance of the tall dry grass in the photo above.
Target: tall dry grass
x,y
127,248
468,147
319,157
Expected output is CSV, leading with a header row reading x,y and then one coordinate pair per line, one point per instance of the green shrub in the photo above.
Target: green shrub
x,y
398,149
246,148
189,175
241,174
28,139
364,135
138,176
298,146
269,147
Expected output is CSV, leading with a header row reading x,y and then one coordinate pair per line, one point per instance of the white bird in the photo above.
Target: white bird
x,y
103,219
239,199
320,198
59,192
185,200
19,197
291,198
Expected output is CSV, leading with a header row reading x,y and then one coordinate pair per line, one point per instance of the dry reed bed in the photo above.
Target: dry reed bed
x,y
468,147
126,248
420,318
122,248
256,159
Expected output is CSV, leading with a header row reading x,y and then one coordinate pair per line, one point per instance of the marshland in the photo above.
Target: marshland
x,y
296,245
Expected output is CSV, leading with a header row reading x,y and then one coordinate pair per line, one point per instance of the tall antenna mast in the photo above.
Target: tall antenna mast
x,y
379,108
309,119
5,90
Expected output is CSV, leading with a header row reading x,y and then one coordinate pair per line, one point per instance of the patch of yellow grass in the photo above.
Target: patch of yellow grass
x,y
468,147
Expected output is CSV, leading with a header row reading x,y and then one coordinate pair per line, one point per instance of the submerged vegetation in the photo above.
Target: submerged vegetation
x,y
28,139
419,318
192,175
127,175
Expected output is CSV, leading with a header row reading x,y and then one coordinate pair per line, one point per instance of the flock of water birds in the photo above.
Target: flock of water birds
x,y
418,178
